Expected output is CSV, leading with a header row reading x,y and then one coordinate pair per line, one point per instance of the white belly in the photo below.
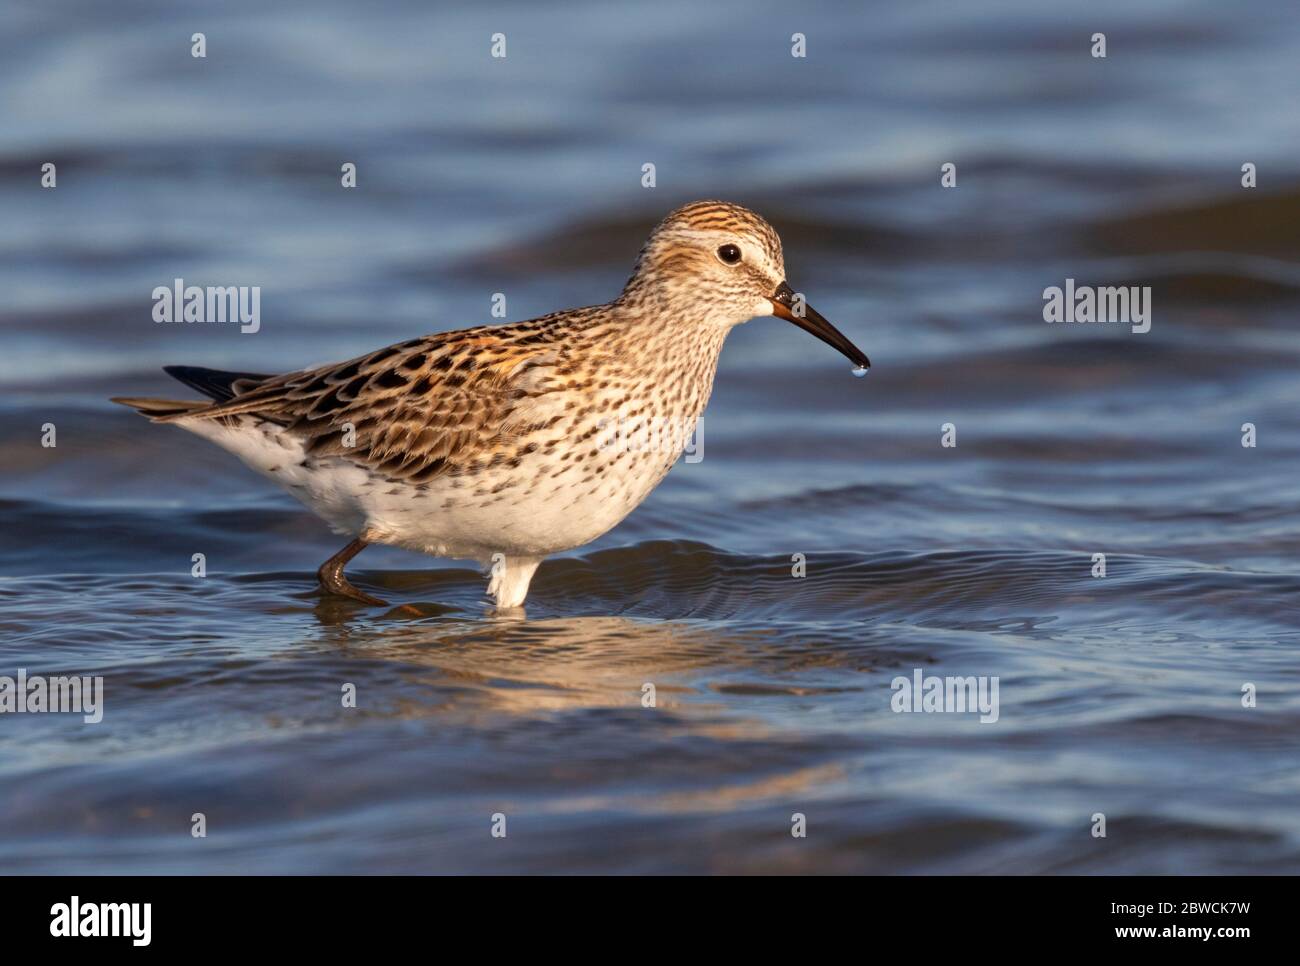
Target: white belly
x,y
545,505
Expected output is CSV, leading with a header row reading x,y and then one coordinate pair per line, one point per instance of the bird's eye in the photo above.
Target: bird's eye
x,y
729,254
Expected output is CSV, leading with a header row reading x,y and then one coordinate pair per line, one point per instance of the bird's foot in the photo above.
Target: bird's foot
x,y
336,583
332,580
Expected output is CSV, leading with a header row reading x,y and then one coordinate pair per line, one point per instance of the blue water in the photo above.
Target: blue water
x,y
1119,695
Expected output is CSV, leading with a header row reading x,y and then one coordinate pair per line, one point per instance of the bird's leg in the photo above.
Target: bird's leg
x,y
332,580
510,577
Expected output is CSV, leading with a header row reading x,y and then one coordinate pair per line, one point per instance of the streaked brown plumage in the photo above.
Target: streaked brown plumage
x,y
493,442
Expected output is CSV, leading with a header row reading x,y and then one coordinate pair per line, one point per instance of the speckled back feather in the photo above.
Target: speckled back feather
x,y
438,404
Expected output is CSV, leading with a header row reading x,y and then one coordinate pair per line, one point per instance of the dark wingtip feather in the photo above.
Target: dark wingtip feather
x,y
214,383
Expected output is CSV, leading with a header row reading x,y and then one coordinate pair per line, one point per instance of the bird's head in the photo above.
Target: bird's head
x,y
723,264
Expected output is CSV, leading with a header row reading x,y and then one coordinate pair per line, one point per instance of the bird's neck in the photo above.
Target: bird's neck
x,y
674,347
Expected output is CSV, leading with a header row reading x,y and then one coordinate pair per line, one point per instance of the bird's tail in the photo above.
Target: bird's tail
x,y
156,409
214,383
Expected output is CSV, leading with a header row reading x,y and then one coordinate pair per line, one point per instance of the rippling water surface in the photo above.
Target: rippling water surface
x,y
1118,695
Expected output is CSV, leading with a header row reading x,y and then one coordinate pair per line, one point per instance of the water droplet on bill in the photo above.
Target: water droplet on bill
x,y
859,371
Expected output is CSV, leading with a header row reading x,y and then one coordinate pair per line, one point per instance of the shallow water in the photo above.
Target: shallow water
x,y
1118,695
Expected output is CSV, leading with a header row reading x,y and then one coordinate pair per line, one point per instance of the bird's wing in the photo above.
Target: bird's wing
x,y
412,411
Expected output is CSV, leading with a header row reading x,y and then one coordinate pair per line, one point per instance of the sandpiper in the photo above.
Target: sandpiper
x,y
492,443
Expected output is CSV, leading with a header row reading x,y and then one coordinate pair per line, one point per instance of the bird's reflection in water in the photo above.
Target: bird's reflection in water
x,y
521,666
584,684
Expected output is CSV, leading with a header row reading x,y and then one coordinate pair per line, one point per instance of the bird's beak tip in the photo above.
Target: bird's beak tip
x,y
808,319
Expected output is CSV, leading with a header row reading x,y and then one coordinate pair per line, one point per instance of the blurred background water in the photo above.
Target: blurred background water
x,y
1119,695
